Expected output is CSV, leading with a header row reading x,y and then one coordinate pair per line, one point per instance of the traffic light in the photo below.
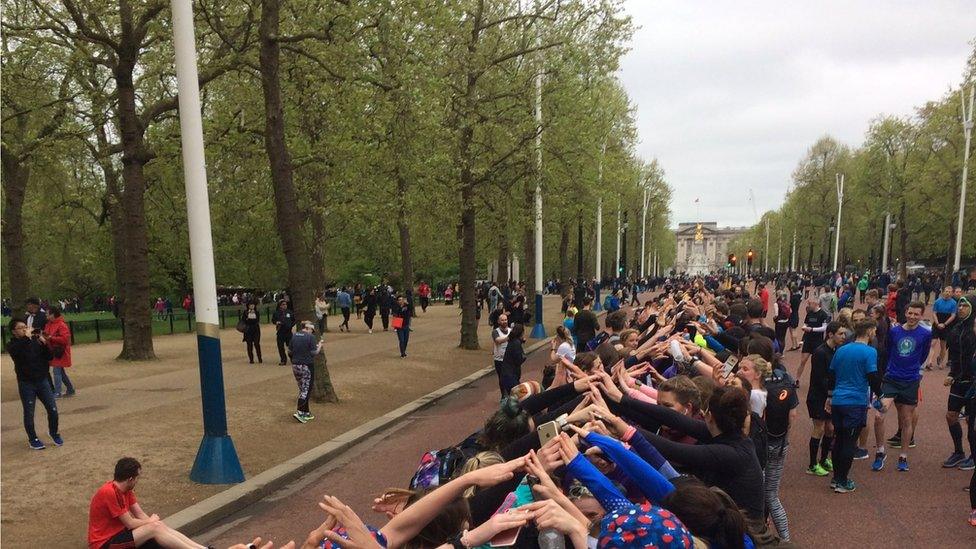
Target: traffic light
x,y
749,258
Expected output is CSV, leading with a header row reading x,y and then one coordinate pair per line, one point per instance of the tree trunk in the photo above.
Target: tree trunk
x,y
287,216
15,177
504,250
565,267
403,228
466,258
317,221
137,341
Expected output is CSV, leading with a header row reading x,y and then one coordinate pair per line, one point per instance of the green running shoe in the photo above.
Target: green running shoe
x,y
817,470
827,465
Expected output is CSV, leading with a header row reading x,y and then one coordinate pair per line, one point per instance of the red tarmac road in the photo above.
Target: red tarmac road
x,y
925,507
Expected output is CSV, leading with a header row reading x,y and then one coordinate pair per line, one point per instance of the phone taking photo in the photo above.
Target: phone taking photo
x,y
731,367
547,431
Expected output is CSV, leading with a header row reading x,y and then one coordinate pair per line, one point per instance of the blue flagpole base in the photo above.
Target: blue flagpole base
x,y
596,300
217,462
539,330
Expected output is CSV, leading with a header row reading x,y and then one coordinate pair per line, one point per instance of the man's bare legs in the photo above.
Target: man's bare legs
x,y
163,535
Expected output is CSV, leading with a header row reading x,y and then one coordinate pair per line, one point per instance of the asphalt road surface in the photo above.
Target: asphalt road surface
x,y
925,507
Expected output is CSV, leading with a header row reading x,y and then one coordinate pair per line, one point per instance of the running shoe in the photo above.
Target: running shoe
x,y
879,461
817,470
36,444
58,441
833,483
827,465
972,518
903,464
300,417
954,460
309,416
845,487
861,453
967,464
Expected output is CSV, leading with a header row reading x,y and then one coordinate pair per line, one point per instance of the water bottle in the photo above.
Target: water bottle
x,y
550,538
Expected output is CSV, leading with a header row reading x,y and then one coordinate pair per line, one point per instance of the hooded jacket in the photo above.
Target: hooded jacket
x,y
961,346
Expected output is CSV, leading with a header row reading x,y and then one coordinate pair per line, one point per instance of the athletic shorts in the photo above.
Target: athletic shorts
x,y
122,540
815,407
958,393
904,392
938,333
810,346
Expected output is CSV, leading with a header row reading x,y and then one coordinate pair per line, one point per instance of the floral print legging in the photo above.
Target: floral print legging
x,y
303,375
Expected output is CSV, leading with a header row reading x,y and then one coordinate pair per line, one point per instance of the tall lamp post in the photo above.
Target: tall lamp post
x,y
216,461
539,330
839,181
599,245
643,257
967,126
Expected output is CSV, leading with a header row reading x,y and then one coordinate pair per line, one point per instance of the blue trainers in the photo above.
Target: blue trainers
x,y
36,444
903,464
861,453
879,461
845,487
58,441
954,460
967,464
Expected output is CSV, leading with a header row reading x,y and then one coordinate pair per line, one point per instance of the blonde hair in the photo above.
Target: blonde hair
x,y
762,366
478,461
627,333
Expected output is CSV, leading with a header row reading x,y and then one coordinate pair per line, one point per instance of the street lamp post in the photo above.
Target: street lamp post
x,y
599,244
539,331
643,235
216,461
887,242
967,124
839,181
766,252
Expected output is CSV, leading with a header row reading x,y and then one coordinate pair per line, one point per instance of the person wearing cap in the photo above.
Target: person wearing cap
x,y
303,350
960,343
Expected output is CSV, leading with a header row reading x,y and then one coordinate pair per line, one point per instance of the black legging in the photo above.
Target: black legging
x,y
368,318
345,317
845,443
283,339
251,347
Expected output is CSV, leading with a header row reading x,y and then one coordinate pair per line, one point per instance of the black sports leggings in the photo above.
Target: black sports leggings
x,y
845,442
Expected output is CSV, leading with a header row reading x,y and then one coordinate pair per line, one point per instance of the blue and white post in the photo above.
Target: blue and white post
x,y
539,330
599,246
216,461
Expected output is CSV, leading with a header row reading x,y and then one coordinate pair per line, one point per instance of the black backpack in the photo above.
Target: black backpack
x,y
780,400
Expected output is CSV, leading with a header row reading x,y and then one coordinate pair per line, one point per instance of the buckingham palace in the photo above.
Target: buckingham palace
x,y
703,247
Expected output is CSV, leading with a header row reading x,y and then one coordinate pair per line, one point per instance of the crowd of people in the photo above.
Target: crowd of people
x,y
668,426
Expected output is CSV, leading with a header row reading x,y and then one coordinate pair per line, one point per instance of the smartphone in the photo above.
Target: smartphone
x,y
731,366
547,431
506,538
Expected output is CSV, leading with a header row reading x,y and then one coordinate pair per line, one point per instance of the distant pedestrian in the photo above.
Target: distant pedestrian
x,y
424,292
252,331
369,302
35,317
303,350
59,342
401,323
344,302
284,321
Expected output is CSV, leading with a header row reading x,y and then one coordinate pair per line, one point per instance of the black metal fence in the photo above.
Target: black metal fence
x,y
111,328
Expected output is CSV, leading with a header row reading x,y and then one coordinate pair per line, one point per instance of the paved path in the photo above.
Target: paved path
x,y
151,411
923,508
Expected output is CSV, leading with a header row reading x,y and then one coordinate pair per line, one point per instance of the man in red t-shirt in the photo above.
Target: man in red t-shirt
x,y
115,520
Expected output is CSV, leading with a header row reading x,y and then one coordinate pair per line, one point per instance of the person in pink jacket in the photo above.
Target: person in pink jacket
x,y
59,341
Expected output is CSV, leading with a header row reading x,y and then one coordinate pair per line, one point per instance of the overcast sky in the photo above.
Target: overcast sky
x,y
730,95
